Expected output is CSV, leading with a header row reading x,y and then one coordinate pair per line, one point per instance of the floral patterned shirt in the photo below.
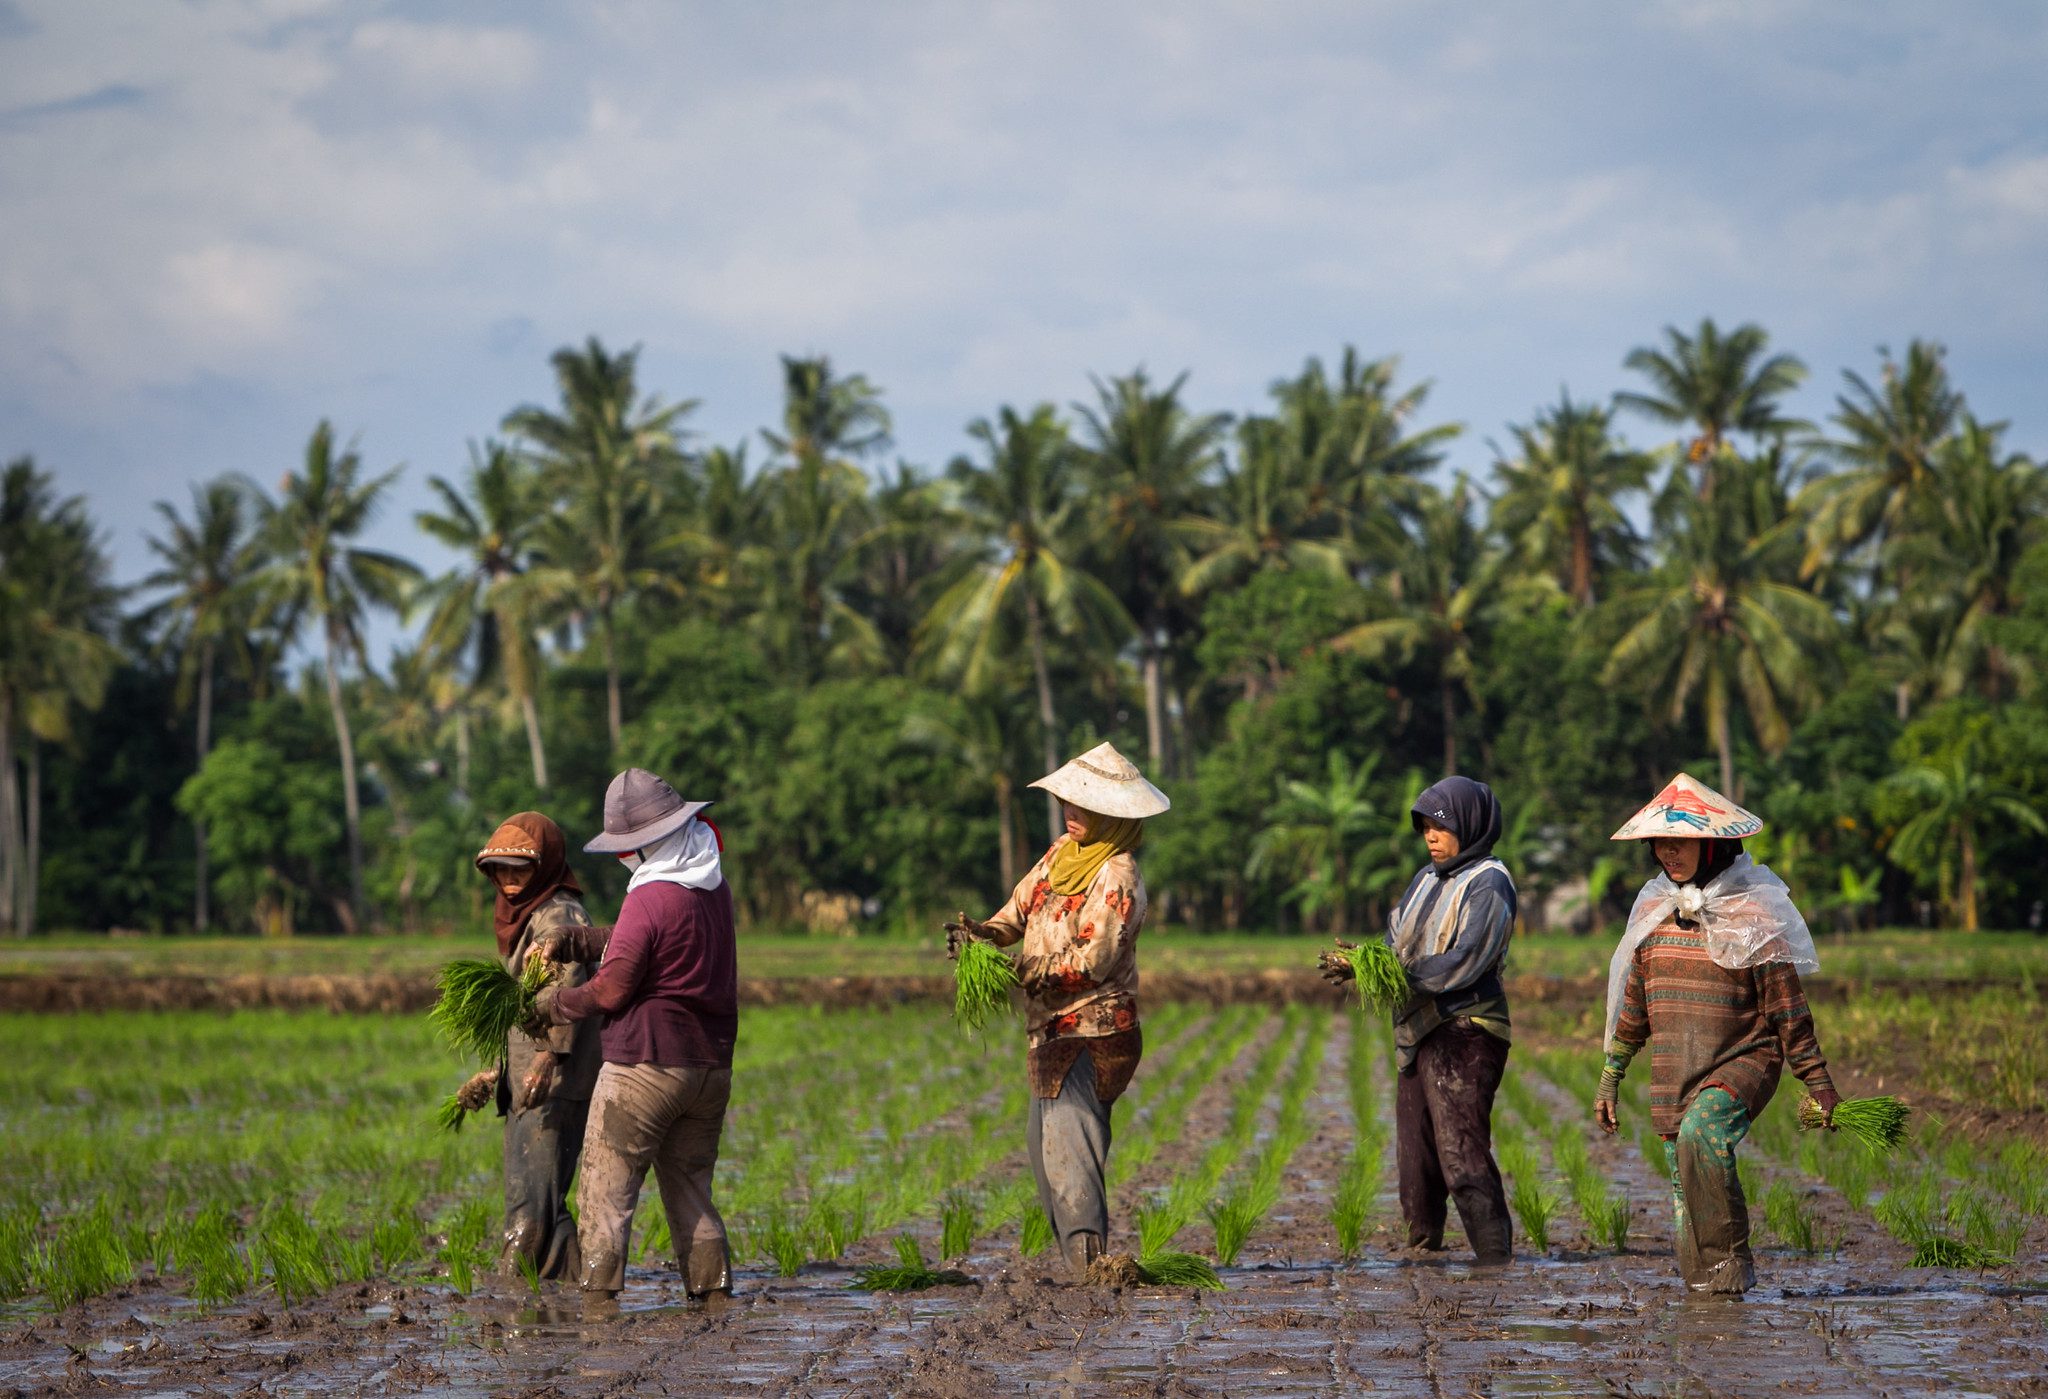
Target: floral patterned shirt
x,y
1078,966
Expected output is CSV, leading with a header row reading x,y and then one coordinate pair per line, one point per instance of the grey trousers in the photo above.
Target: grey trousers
x,y
645,1115
1068,1138
541,1146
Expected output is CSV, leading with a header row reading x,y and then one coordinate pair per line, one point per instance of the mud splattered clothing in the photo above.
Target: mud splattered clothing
x,y
1450,932
668,987
1443,1125
1114,1059
542,1142
1707,1203
671,1119
1078,958
1710,1026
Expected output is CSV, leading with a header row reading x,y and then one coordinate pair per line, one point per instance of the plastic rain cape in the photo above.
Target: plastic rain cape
x,y
1746,911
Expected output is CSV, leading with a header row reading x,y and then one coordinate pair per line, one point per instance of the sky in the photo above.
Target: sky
x,y
222,221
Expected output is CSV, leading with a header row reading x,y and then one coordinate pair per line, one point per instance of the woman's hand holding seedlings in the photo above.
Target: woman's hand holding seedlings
x,y
961,931
1826,1098
539,1080
544,1013
1336,966
478,1090
1603,1113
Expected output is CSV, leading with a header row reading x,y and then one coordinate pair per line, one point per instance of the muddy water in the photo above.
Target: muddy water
x,y
1594,1326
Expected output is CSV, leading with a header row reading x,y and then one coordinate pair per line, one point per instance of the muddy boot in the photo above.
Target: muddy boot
x,y
1080,1250
600,1304
1491,1240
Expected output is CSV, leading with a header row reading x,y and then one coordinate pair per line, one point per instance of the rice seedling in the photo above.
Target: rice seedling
x,y
207,1252
1879,1123
838,1220
781,1240
398,1241
1970,1212
2021,1175
1235,1215
1941,1251
983,977
467,1248
1035,1235
1178,1270
1789,1216
1535,1207
1382,981
909,1273
86,1258
480,1003
449,1116
20,1223
529,1271
293,1252
1608,1221
957,1225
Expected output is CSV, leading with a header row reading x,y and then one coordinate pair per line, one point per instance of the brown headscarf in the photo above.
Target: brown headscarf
x,y
529,836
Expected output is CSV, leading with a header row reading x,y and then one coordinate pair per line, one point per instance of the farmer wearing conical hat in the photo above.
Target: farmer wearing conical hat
x,y
543,1085
667,996
1450,932
1074,919
1708,975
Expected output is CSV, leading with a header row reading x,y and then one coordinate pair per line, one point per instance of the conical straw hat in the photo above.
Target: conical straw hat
x,y
1691,810
1103,780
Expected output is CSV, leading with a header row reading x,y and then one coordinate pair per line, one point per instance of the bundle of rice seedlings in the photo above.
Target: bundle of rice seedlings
x,y
910,1273
448,1117
1941,1251
1178,1270
1879,1123
1382,981
481,1003
982,978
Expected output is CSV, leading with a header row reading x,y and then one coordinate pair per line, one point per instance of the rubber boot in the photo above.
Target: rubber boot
x,y
1491,1239
1080,1250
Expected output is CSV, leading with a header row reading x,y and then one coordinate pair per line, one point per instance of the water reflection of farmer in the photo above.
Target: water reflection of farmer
x,y
1074,919
543,1087
1450,932
668,995
1708,975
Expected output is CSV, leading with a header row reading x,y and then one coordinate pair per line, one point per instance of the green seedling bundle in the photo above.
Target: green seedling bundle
x,y
481,1003
983,977
909,1273
1879,1123
1381,980
1167,1269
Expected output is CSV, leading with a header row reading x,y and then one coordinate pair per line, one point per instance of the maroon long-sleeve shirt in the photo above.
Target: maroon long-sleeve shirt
x,y
669,984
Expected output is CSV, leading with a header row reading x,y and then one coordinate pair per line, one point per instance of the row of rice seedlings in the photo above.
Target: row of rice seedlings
x,y
1351,1205
1245,1204
1163,1115
1534,1204
909,1273
1788,1214
1160,1222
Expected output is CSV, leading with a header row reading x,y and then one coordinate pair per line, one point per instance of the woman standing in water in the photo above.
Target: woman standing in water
x,y
1708,976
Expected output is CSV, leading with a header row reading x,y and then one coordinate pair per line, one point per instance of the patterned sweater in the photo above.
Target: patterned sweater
x,y
1078,965
1708,1026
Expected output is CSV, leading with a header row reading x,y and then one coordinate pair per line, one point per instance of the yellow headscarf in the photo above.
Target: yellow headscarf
x,y
1076,863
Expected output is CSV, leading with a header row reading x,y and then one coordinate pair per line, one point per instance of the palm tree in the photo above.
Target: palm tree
x,y
1352,437
1715,384
317,572
1437,591
1312,832
1964,548
980,729
1722,618
826,416
475,613
1150,460
208,564
1557,507
614,459
1892,435
1268,513
1958,801
55,602
1025,507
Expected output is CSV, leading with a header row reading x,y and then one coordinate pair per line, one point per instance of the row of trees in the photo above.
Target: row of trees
x,y
1292,614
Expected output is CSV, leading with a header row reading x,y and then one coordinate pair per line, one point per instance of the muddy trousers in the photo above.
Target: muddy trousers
x,y
1443,1125
541,1147
645,1115
1068,1139
1706,1195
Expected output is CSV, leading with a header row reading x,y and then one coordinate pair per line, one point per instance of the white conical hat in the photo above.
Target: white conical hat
x,y
1105,781
1691,810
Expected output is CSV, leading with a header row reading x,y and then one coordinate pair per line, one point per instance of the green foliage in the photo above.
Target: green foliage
x,y
983,977
480,1003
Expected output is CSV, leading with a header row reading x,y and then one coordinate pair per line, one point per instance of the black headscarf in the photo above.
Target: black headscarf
x,y
1468,810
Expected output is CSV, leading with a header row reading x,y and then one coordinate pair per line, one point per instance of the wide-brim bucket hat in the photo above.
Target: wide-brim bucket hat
x,y
1688,809
640,809
1104,781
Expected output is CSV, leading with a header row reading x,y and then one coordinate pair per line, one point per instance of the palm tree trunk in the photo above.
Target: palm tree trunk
x,y
33,863
1155,702
1725,742
1582,562
1006,831
201,894
462,752
1448,702
612,714
351,798
539,754
1048,726
1967,892
10,812
1340,922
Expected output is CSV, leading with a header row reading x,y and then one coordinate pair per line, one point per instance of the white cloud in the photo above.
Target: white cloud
x,y
438,57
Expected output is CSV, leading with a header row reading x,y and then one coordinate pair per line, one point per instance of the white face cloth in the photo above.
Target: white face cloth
x,y
689,858
1746,912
